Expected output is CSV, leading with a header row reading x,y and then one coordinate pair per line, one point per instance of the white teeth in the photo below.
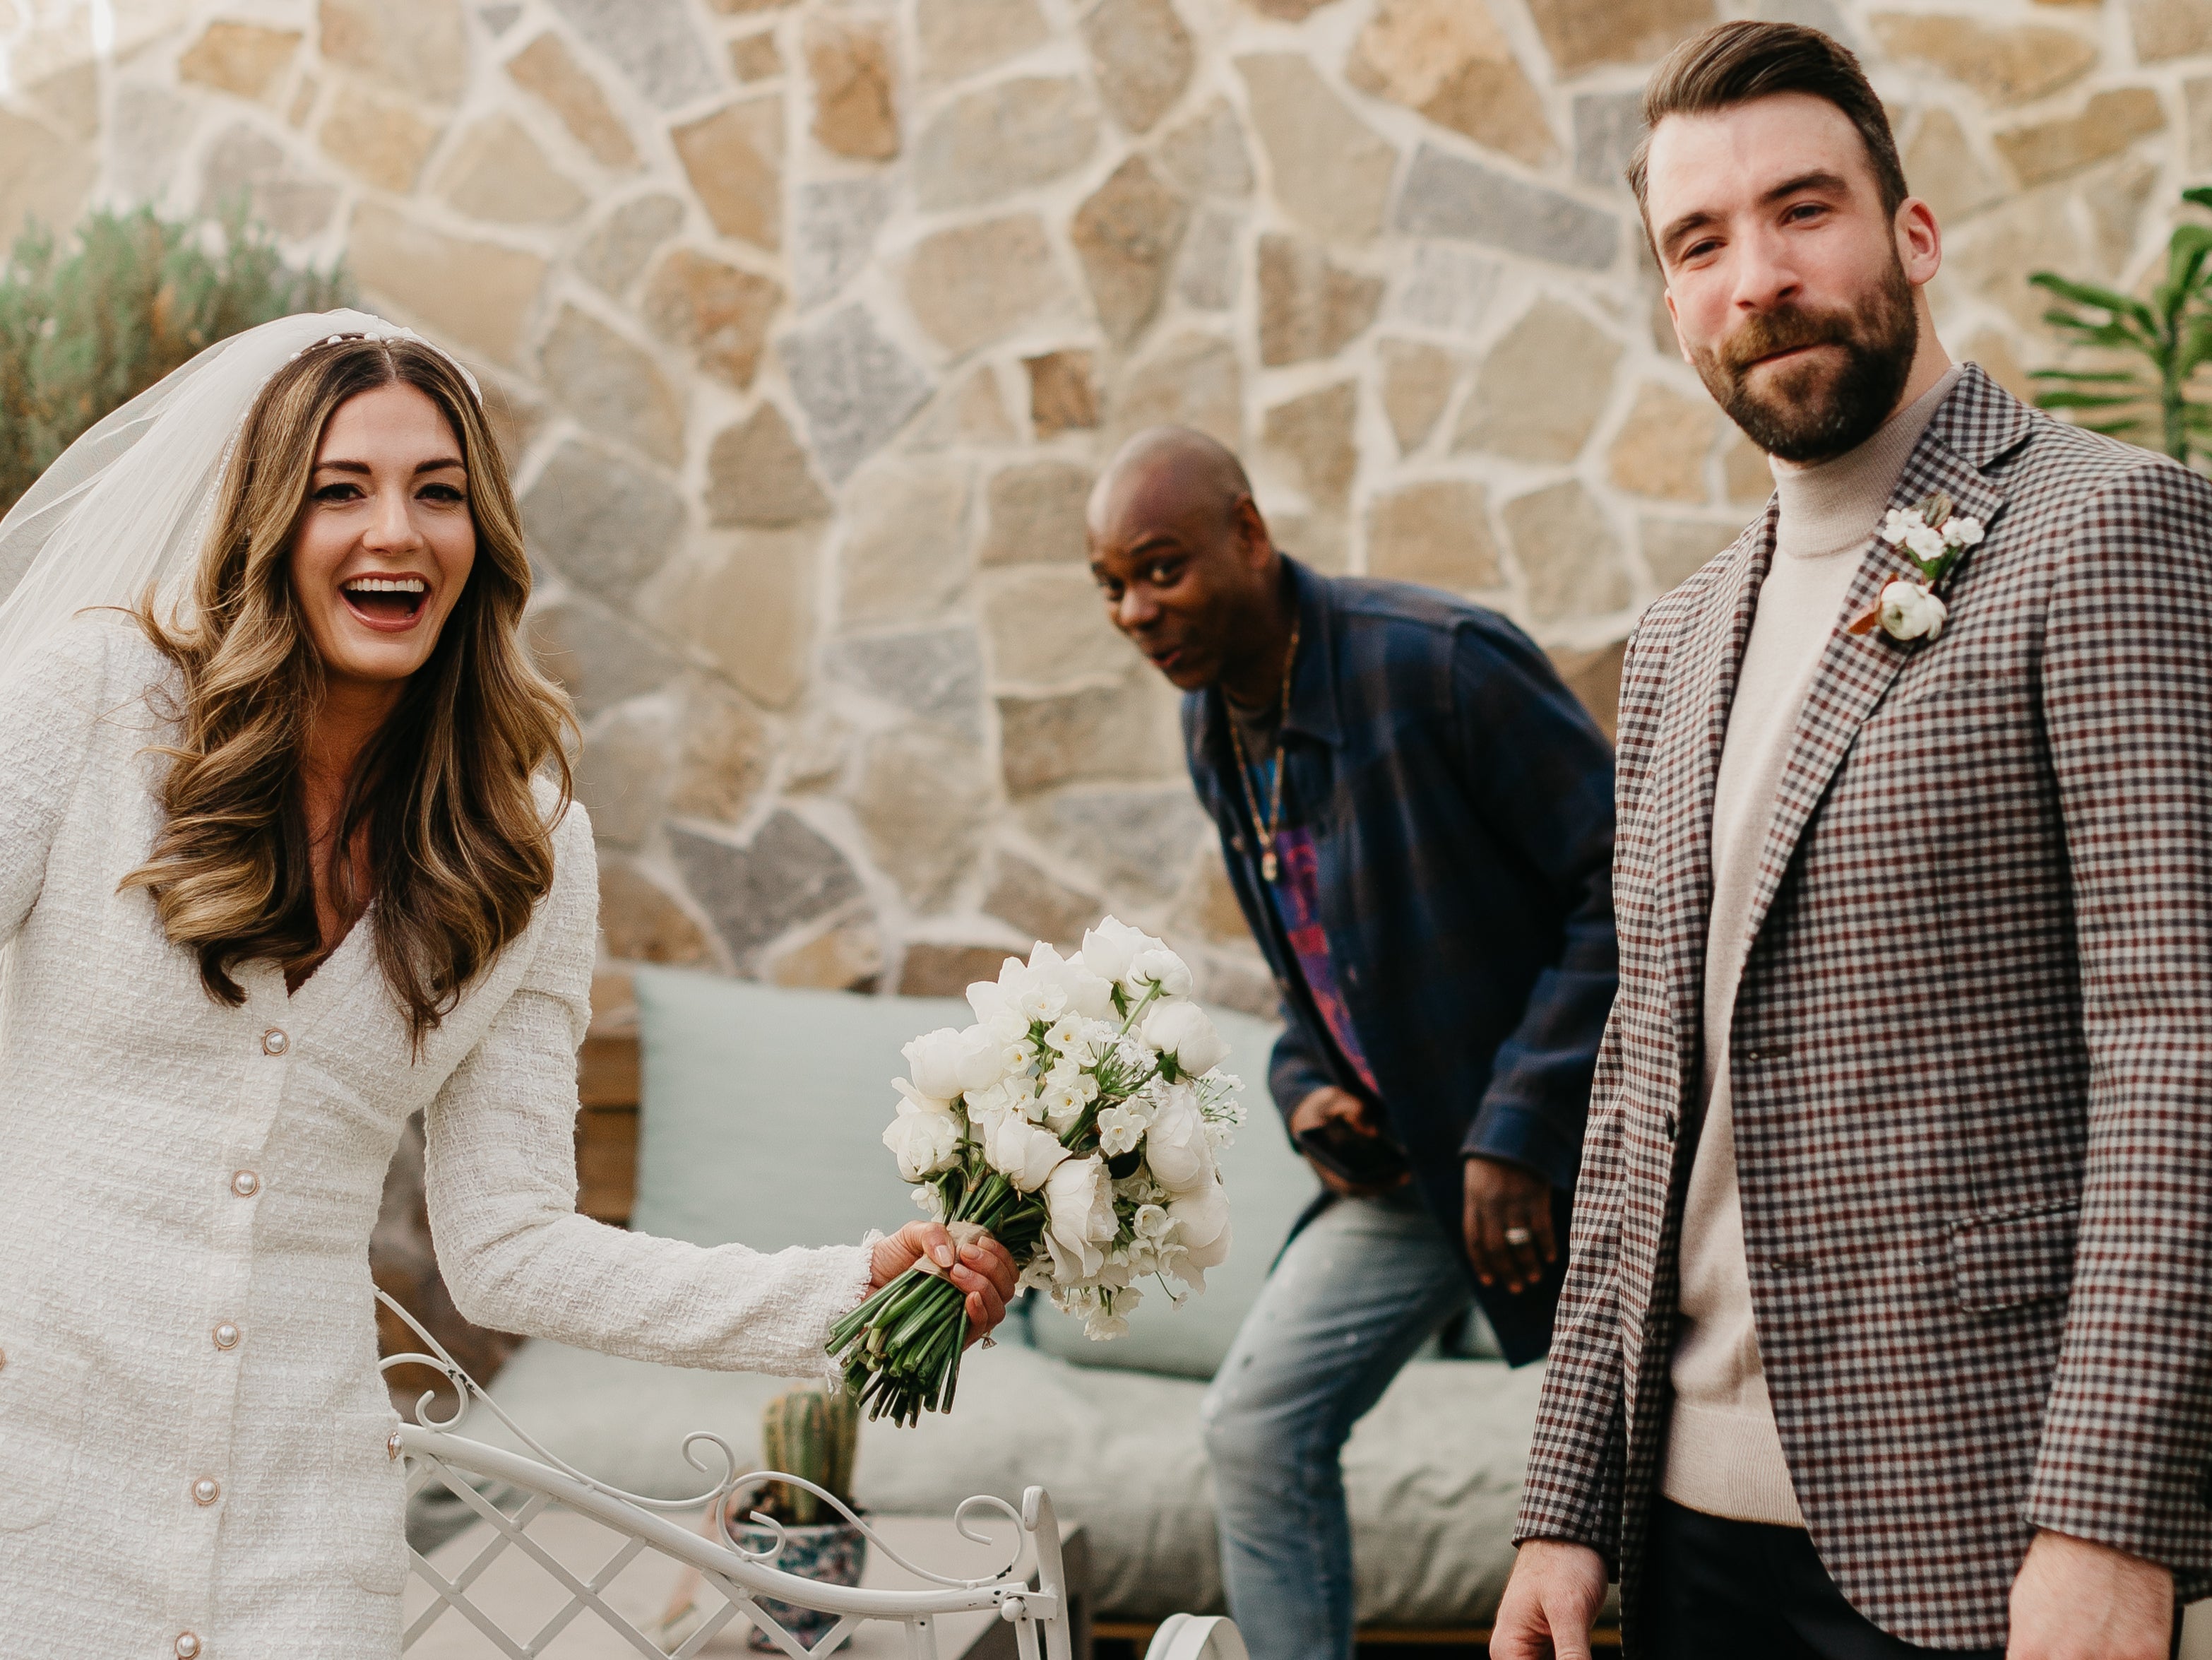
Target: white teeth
x,y
388,585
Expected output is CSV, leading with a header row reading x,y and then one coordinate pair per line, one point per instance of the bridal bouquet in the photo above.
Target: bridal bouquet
x,y
1075,1122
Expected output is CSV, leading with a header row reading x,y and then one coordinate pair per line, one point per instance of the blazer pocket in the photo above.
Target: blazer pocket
x,y
368,1499
2003,1262
41,1425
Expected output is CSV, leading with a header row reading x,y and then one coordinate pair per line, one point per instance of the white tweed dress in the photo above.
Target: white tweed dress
x,y
192,1432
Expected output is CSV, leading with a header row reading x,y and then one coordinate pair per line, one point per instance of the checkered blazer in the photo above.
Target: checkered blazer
x,y
1972,1059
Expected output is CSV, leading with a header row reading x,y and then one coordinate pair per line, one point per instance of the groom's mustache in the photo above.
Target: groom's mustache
x,y
1770,333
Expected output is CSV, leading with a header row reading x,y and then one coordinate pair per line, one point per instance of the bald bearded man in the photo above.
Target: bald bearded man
x,y
1417,817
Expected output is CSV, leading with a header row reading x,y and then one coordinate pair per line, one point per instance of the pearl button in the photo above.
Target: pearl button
x,y
206,1490
395,1446
188,1646
226,1336
245,1184
273,1041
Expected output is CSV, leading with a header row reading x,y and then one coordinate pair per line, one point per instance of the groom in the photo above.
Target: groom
x,y
1888,1325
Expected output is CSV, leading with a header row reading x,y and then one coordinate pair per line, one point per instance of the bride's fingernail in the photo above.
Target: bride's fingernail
x,y
944,1255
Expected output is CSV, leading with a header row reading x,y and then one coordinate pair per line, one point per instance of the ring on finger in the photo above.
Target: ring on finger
x,y
1519,1237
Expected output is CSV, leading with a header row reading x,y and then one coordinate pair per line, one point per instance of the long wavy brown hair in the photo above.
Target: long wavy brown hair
x,y
458,850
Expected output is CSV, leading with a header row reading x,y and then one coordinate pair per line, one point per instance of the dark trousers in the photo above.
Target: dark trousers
x,y
1719,1589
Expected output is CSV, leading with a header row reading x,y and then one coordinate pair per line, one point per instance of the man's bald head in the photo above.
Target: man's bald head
x,y
1183,559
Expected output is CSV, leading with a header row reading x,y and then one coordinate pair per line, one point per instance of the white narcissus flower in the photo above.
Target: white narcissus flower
x,y
1067,1091
1022,1152
1079,1202
1110,948
924,1143
1158,966
1184,1030
1178,1147
1910,611
1119,1131
1007,1095
1065,1033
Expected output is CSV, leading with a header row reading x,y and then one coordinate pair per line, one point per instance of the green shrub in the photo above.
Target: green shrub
x,y
84,330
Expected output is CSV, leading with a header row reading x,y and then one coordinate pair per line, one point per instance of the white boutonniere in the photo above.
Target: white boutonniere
x,y
1933,538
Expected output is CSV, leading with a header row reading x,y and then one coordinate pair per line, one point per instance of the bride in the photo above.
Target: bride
x,y
286,855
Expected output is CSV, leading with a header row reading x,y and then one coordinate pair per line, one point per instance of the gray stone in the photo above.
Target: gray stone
x,y
1331,171
601,658
242,162
1446,287
623,245
959,37
1143,57
1210,275
1822,15
935,675
856,386
1125,234
1608,126
789,874
653,43
1139,840
1206,154
1188,380
498,20
905,556
1039,905
922,799
1567,553
612,386
973,284
833,235
756,474
1006,137
622,775
602,522
1674,549
1033,512
1449,195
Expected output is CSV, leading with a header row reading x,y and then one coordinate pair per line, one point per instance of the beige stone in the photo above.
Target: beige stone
x,y
847,958
247,59
750,606
1661,447
734,158
622,775
1005,137
854,70
1310,306
303,101
419,46
1745,474
922,799
1675,549
1594,676
1449,60
960,37
1993,351
724,759
1567,554
1289,11
757,474
1125,234
1543,386
70,99
719,311
43,176
2107,124
1034,512
1037,905
2005,65
1208,903
1122,732
905,558
1579,33
497,173
380,140
1142,56
642,922
1206,154
1944,170
612,386
1992,254
1436,532
1063,391
932,968
755,57
972,410
475,296
2115,197
547,69
618,250
974,284
746,7
2170,28
1047,628
1315,434
1417,383
1187,381
1331,171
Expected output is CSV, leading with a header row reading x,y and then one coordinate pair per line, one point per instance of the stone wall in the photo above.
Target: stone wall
x,y
809,321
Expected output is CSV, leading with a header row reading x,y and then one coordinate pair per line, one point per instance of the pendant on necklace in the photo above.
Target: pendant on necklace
x,y
1267,866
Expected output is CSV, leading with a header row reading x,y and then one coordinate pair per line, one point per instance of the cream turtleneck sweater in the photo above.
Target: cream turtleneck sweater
x,y
1724,1455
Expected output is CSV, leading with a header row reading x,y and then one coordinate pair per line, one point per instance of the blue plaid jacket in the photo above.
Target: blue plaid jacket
x,y
1461,804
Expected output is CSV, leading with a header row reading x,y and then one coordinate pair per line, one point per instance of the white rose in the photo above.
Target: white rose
x,y
1201,1219
1184,1030
1177,1146
933,1060
1909,611
924,1143
1110,948
1079,988
1159,966
995,1005
1078,1201
1022,1152
925,1101
1152,1223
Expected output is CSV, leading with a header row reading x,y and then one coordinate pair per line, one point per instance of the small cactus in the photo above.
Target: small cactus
x,y
812,1435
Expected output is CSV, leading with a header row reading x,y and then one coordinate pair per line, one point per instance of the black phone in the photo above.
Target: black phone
x,y
1365,1161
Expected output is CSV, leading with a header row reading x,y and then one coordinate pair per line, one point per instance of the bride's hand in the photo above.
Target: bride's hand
x,y
983,1269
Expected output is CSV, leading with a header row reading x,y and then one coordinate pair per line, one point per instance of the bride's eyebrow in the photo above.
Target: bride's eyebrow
x,y
421,467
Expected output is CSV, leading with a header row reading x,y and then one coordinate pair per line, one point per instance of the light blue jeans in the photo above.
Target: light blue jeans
x,y
1353,1299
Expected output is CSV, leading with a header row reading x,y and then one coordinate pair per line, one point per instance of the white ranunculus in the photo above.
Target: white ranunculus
x,y
1079,988
1159,966
995,1005
1926,542
1184,1030
1079,1202
1910,611
1178,1147
1895,524
1201,1219
1110,948
1151,1223
1960,531
1022,1152
924,1143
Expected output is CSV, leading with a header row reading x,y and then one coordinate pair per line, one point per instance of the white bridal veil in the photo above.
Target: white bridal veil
x,y
127,504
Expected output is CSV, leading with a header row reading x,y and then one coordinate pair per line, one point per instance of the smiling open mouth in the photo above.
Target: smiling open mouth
x,y
387,602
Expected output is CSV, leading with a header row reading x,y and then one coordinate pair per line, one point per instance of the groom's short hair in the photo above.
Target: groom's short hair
x,y
1733,63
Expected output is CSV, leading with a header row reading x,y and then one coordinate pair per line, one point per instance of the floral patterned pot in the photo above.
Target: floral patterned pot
x,y
832,1553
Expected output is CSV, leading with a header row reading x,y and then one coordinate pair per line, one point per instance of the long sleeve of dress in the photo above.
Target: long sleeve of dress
x,y
48,703
502,1187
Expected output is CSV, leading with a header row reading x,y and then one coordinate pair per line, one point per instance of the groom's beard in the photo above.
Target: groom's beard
x,y
1813,410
